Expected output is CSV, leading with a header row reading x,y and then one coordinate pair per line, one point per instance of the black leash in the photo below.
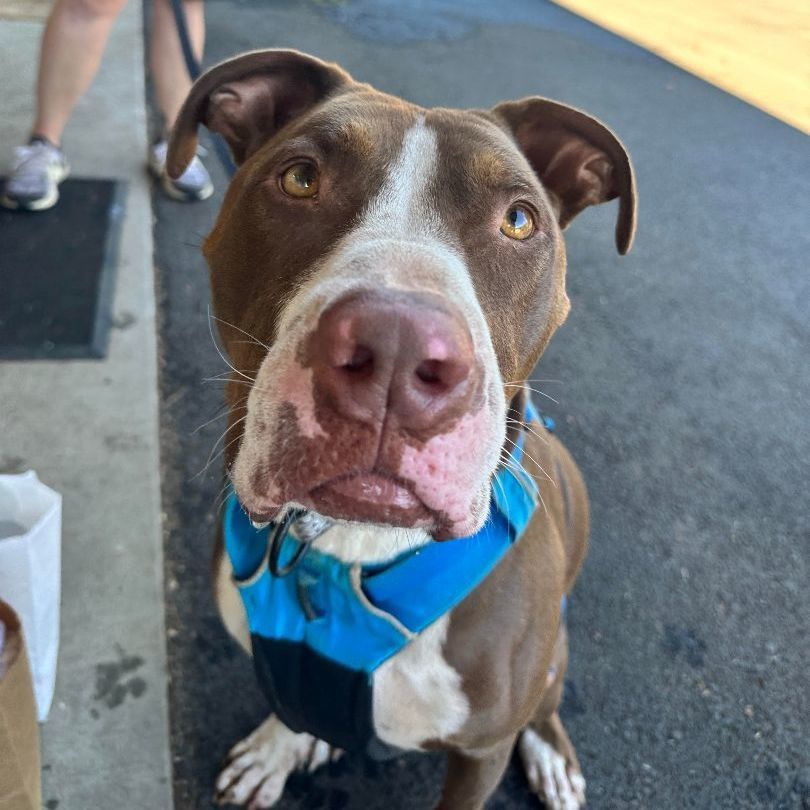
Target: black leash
x,y
194,70
277,536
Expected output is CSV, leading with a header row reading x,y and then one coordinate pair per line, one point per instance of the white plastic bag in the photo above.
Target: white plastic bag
x,y
30,550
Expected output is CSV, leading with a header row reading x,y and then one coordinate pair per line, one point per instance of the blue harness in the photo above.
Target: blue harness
x,y
320,631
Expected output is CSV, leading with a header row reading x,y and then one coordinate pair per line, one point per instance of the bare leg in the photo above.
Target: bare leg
x,y
166,62
472,778
72,46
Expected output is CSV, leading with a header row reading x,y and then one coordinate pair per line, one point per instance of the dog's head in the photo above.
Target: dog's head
x,y
384,278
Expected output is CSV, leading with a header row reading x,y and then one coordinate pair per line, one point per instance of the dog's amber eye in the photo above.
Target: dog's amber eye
x,y
301,180
518,223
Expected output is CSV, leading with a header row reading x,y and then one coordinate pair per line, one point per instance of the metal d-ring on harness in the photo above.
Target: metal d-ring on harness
x,y
276,541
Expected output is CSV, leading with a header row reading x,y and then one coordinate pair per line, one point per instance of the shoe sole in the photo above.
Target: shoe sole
x,y
41,203
172,191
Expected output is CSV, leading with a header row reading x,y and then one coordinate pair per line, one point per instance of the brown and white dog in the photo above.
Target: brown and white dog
x,y
399,271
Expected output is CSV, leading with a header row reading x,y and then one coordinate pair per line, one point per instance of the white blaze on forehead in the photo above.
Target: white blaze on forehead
x,y
401,242
402,203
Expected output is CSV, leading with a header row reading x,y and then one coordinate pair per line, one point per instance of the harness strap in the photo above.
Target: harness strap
x,y
325,603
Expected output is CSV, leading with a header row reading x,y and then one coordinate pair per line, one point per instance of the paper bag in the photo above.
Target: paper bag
x,y
19,743
30,528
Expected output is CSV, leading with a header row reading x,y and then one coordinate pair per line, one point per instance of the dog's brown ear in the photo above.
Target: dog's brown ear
x,y
578,159
248,99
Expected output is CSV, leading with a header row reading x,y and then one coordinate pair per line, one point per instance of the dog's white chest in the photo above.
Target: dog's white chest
x,y
417,695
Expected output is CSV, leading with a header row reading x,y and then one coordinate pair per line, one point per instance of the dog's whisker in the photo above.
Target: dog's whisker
x,y
534,483
532,458
527,427
231,381
512,462
225,412
505,498
229,429
522,481
221,452
533,380
509,461
226,376
222,496
243,383
531,389
220,352
222,490
211,455
253,338
251,387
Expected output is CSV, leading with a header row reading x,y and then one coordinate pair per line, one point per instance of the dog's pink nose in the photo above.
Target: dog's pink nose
x,y
405,356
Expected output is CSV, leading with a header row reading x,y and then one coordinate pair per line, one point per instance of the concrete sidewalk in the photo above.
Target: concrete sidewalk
x,y
89,428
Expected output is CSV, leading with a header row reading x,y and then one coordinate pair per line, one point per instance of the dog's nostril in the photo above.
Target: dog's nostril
x,y
429,372
360,362
442,376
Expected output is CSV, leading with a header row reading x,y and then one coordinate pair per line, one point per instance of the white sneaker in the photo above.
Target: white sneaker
x,y
193,184
38,169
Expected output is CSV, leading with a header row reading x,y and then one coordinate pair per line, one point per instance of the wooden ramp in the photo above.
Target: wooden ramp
x,y
760,52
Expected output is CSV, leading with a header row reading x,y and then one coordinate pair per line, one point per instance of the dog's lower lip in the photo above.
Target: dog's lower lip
x,y
260,520
373,488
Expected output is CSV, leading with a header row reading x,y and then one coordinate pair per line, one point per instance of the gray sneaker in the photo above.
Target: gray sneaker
x,y
38,169
193,184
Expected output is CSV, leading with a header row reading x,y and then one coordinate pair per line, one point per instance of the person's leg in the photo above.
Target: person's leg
x,y
166,62
72,46
172,83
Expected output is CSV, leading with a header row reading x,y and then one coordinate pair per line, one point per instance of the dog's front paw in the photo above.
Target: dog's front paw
x,y
557,781
256,769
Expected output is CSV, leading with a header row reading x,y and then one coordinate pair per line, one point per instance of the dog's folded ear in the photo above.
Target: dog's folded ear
x,y
577,158
248,99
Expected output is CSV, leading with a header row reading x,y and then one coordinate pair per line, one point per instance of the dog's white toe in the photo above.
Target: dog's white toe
x,y
256,769
558,784
320,753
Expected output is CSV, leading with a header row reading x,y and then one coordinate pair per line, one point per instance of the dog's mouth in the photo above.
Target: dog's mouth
x,y
370,496
369,487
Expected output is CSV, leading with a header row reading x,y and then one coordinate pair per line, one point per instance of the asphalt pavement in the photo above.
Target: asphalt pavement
x,y
681,385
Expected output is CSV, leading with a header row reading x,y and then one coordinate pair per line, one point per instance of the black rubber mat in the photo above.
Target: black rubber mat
x,y
56,273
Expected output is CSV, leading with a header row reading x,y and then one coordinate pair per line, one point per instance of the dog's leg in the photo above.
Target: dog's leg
x,y
256,769
226,594
548,756
473,776
551,765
